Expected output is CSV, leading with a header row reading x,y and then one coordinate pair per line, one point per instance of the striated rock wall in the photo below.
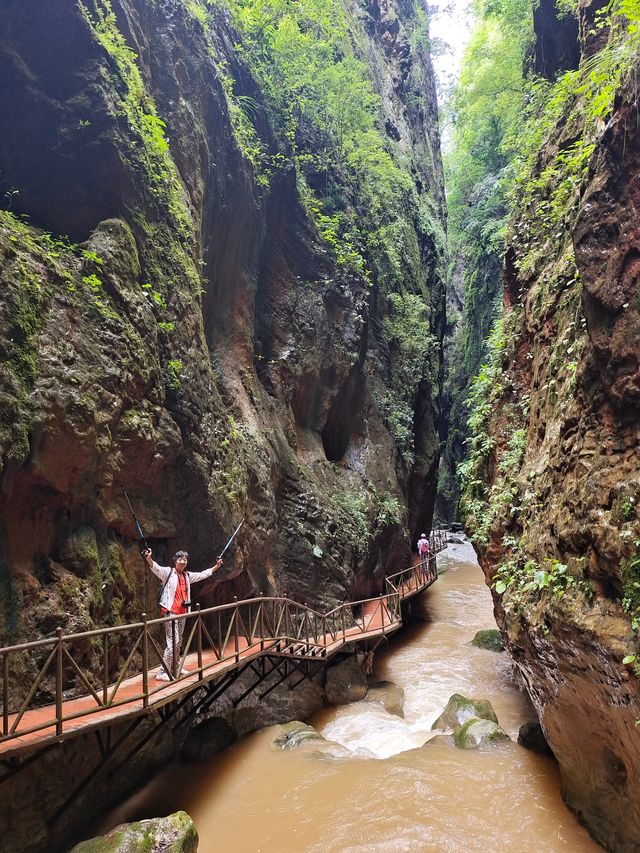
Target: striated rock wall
x,y
558,531
191,338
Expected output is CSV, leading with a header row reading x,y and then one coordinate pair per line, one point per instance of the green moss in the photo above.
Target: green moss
x,y
148,146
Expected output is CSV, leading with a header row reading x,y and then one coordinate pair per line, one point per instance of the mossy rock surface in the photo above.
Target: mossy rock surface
x,y
489,639
175,833
293,734
476,733
460,709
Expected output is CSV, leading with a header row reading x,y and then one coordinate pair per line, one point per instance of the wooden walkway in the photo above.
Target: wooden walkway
x,y
217,642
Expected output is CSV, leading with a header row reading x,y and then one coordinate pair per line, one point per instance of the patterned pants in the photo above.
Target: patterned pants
x,y
173,638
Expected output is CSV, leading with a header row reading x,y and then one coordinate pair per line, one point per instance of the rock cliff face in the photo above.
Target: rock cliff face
x,y
192,338
558,532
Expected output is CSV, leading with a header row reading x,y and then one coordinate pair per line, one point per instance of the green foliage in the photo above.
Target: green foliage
x,y
322,102
367,512
148,146
414,357
545,197
173,372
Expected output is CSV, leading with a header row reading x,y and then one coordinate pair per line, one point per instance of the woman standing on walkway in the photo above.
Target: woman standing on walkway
x,y
175,598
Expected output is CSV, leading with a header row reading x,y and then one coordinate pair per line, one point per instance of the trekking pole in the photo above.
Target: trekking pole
x,y
143,547
233,536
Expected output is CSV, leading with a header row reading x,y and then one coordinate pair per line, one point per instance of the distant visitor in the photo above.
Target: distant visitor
x,y
423,553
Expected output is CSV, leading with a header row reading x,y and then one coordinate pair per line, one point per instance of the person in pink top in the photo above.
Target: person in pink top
x,y
175,597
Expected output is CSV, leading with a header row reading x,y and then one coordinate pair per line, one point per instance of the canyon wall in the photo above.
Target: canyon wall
x,y
174,323
556,522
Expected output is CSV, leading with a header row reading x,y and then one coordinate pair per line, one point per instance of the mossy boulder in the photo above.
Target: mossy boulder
x,y
460,709
207,740
389,695
293,734
476,732
175,833
489,639
345,682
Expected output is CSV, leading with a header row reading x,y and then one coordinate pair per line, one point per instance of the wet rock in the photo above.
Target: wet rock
x,y
489,639
455,540
389,695
293,734
345,682
460,709
207,740
476,732
439,740
532,737
175,833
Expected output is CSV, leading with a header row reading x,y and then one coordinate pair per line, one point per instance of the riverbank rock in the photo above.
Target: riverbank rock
x,y
476,733
293,734
345,682
208,739
532,737
489,639
389,695
460,709
175,833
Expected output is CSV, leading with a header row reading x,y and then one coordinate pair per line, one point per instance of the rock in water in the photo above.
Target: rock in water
x,y
175,833
389,695
207,740
460,709
489,639
293,734
345,682
475,733
532,737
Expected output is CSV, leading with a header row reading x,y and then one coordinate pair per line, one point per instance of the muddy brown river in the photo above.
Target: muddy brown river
x,y
389,792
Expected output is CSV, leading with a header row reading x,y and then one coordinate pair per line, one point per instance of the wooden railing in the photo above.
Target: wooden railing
x,y
219,638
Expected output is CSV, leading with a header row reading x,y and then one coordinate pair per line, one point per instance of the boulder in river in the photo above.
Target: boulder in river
x,y
345,682
293,734
489,639
389,695
175,833
207,739
476,732
460,709
532,737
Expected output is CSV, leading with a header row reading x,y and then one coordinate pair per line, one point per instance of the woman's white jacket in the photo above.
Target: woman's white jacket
x,y
169,578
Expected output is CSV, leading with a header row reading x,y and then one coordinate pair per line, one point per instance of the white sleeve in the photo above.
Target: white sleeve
x,y
161,572
195,577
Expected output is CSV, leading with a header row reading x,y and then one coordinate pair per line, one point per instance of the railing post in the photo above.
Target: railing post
x,y
105,669
235,630
199,641
285,617
261,622
382,615
344,630
5,695
59,654
174,669
145,662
